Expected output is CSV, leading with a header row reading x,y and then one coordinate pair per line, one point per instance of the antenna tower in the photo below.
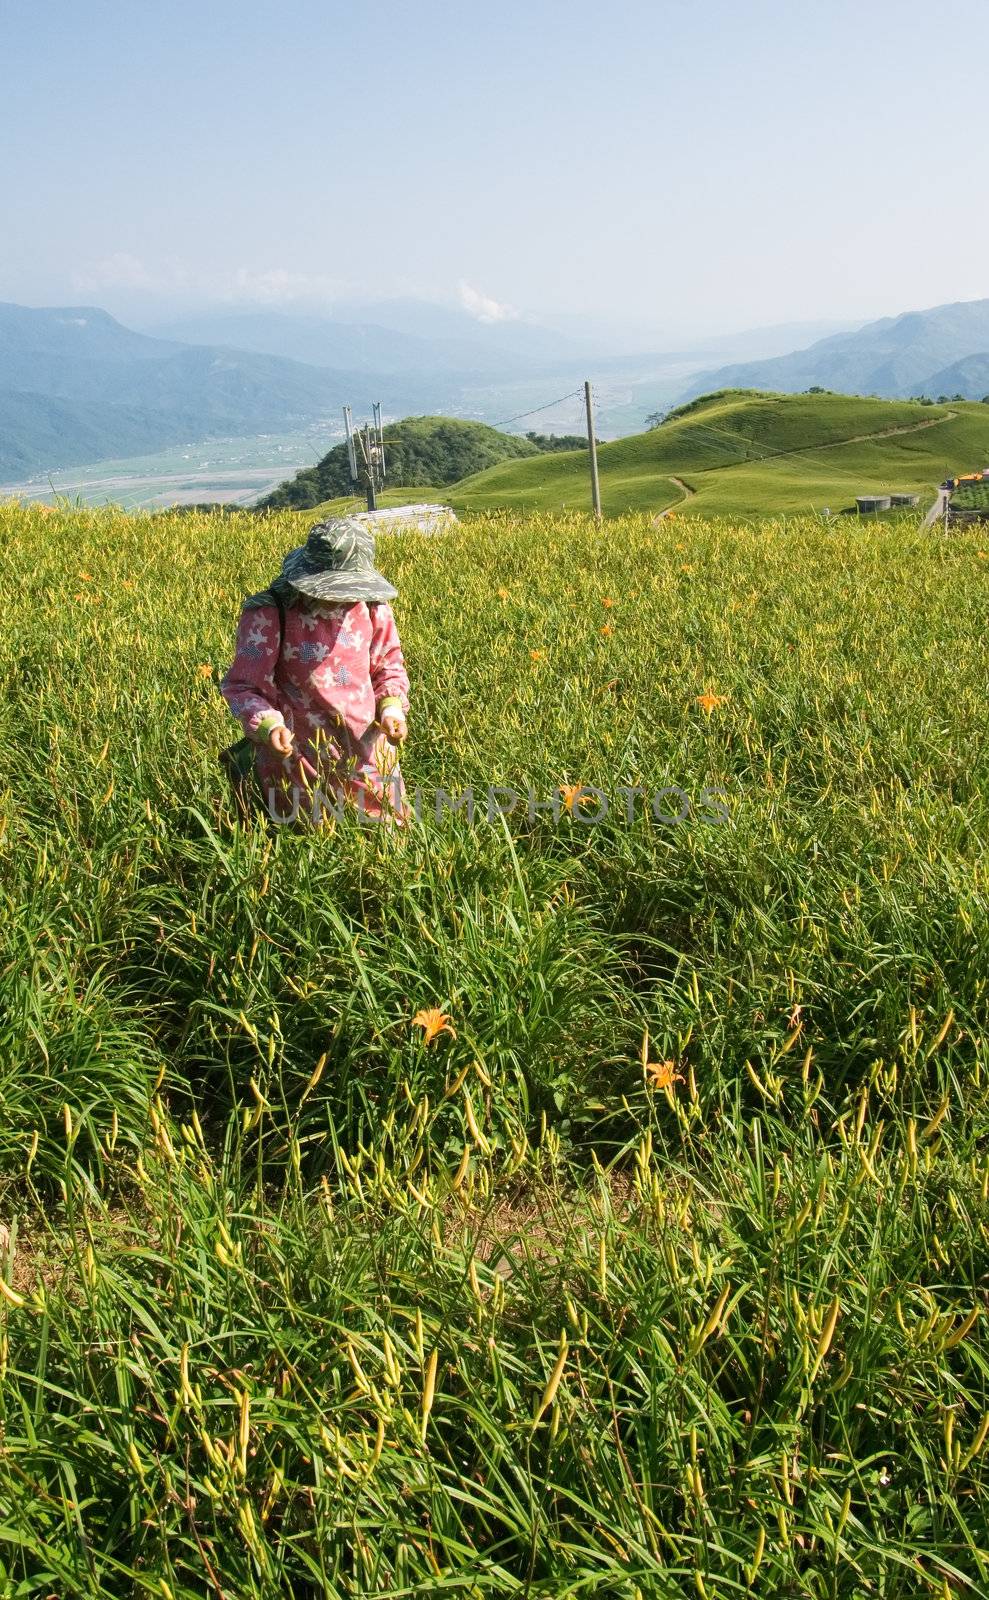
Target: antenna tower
x,y
366,453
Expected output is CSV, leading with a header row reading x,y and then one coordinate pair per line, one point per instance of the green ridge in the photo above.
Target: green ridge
x,y
748,453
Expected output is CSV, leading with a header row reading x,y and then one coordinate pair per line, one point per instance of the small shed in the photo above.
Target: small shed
x,y
867,503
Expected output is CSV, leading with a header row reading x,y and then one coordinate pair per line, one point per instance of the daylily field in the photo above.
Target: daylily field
x,y
524,1204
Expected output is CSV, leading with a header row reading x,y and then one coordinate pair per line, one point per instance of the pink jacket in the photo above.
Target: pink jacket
x,y
336,665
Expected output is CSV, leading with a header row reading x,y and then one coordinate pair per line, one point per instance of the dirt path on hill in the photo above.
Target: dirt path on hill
x,y
687,492
834,444
864,438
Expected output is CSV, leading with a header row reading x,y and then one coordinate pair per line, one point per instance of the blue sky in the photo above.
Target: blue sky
x,y
694,167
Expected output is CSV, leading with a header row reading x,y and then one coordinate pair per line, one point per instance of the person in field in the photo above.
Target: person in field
x,y
318,682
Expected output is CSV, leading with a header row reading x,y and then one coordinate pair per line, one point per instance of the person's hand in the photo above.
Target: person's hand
x,y
280,740
394,725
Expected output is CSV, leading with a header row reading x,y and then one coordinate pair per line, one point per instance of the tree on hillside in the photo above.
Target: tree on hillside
x,y
419,451
546,443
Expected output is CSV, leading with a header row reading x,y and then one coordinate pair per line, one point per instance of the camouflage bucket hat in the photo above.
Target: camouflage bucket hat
x,y
337,563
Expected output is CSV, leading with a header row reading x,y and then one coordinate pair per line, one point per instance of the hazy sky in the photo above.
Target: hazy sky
x,y
698,166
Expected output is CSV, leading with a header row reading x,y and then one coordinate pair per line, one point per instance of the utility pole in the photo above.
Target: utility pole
x,y
369,472
592,447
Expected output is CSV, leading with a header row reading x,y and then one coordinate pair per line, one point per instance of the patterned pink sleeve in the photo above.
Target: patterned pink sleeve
x,y
249,685
388,674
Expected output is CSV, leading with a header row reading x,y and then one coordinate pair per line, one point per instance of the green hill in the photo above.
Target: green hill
x,y
746,453
419,451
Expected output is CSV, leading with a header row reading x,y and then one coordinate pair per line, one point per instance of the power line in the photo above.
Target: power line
x,y
536,409
585,392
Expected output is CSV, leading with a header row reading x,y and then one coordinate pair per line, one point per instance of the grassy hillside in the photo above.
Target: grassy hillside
x,y
751,454
659,1270
418,451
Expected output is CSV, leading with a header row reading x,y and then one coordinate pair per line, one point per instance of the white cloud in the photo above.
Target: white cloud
x,y
483,307
277,286
243,286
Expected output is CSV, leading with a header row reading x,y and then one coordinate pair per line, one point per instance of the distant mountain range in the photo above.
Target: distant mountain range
x,y
942,351
391,337
414,336
76,386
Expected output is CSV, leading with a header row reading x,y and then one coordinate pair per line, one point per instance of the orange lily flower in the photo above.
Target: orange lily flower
x,y
433,1021
662,1074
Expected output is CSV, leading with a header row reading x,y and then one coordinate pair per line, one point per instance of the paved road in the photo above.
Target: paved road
x,y
937,509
